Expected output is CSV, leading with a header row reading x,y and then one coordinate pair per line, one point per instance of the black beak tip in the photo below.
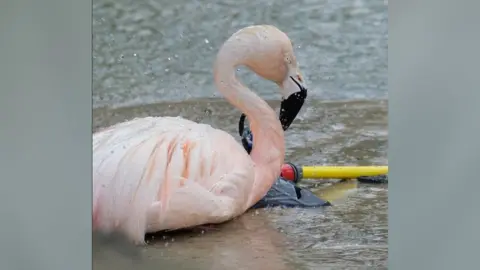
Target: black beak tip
x,y
291,106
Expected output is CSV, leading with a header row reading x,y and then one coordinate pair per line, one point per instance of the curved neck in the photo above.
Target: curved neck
x,y
269,144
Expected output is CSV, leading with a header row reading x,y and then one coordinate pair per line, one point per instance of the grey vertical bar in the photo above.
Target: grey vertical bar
x,y
434,127
45,134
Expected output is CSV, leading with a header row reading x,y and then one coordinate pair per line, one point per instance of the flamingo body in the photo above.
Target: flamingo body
x,y
165,173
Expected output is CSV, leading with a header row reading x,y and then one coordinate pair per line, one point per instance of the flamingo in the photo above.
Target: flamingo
x,y
166,173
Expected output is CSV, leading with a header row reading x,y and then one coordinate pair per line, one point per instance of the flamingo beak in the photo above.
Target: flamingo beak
x,y
292,104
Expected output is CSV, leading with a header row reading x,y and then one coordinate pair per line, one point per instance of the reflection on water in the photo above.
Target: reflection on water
x,y
156,56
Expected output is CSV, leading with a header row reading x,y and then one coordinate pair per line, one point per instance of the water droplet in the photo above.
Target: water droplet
x,y
135,54
206,41
167,70
169,59
166,244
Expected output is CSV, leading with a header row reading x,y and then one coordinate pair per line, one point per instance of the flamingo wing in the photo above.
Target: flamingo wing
x,y
153,174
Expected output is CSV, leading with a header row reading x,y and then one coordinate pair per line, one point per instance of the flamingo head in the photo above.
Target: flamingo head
x,y
269,53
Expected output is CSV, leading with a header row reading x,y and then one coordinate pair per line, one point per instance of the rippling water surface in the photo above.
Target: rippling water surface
x,y
154,57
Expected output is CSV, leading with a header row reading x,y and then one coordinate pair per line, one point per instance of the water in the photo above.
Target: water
x,y
154,57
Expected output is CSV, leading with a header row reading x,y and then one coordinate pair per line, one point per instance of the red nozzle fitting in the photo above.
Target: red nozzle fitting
x,y
290,172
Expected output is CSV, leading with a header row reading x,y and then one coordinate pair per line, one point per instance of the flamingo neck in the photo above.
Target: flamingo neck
x,y
269,145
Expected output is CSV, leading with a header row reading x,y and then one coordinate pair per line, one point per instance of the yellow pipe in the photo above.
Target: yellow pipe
x,y
342,172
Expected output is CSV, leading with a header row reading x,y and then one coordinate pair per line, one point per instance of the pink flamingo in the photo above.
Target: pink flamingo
x,y
165,173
